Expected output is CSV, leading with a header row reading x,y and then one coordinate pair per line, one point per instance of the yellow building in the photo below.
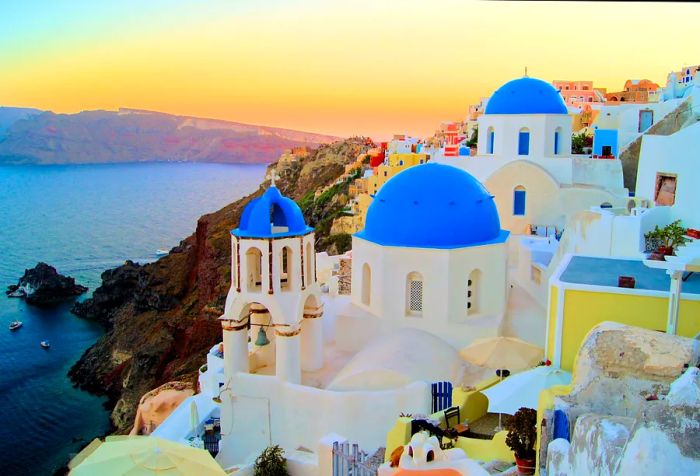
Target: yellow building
x,y
584,293
396,163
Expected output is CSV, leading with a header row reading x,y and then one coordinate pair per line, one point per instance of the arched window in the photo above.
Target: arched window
x,y
287,269
490,136
254,269
524,141
519,200
366,284
557,135
414,294
309,256
473,292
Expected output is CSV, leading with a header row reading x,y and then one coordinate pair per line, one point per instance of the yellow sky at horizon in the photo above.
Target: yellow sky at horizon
x,y
336,67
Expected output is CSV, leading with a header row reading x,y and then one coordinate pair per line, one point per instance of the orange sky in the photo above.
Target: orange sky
x,y
339,67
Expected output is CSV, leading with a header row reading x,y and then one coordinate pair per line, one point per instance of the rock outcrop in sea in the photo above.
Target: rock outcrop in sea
x,y
161,318
44,286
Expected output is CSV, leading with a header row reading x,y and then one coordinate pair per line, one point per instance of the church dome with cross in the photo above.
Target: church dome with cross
x,y
271,216
433,206
526,96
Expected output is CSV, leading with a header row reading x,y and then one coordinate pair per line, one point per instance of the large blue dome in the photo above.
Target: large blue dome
x,y
271,216
433,206
526,96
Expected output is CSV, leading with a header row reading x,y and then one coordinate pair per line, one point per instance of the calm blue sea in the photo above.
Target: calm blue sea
x,y
82,219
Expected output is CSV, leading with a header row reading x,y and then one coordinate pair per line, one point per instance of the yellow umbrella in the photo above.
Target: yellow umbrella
x,y
145,456
502,352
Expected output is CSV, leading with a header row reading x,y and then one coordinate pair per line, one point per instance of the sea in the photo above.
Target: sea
x,y
82,219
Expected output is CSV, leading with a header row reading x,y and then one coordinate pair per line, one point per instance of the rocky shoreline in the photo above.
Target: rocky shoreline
x,y
44,286
161,318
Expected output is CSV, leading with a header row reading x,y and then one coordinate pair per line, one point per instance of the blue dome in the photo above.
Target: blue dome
x,y
526,96
433,206
272,210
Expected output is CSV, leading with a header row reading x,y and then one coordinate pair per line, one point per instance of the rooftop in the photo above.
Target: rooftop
x,y
605,271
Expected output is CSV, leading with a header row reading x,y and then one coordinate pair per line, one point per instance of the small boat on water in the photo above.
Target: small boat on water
x,y
14,325
45,344
161,252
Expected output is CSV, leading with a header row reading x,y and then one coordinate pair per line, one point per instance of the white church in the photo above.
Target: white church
x,y
429,276
524,159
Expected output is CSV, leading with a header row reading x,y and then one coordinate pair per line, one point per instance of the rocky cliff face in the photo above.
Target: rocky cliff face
x,y
161,318
138,136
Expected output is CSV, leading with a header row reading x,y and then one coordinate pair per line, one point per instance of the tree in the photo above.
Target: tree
x,y
578,142
474,139
271,462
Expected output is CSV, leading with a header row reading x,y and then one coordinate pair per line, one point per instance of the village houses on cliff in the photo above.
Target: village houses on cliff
x,y
521,247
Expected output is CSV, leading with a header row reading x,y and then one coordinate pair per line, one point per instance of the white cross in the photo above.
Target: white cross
x,y
273,175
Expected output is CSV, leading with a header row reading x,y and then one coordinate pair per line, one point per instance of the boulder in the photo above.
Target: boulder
x,y
44,286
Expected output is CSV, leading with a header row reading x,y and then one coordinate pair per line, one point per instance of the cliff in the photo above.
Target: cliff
x,y
161,318
128,135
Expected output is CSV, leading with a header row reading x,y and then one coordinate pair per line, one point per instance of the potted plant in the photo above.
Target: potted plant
x,y
667,238
522,434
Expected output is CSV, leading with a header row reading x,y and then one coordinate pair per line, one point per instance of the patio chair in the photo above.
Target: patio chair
x,y
453,422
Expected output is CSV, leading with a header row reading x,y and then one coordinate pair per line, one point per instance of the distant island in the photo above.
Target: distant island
x,y
32,136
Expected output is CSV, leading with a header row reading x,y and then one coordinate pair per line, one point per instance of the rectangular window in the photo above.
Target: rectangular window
x,y
523,143
415,296
556,143
665,192
491,137
519,202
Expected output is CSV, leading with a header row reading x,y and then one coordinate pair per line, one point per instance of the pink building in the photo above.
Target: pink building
x,y
577,93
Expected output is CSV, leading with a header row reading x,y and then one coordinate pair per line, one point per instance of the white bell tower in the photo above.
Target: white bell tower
x,y
272,319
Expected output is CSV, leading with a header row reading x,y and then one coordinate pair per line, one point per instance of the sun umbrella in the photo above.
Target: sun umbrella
x,y
194,416
502,353
145,456
523,389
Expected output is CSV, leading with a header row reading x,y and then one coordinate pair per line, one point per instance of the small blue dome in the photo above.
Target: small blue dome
x,y
526,96
433,206
270,216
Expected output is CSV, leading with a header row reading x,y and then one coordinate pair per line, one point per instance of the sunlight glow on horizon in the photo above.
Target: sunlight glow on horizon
x,y
337,67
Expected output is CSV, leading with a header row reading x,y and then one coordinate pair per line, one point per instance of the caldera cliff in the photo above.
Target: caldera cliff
x,y
161,317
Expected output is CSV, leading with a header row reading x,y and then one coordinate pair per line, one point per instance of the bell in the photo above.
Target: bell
x,y
216,399
262,338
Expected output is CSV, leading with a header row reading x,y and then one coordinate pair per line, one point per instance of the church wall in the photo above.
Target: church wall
x,y
444,293
546,203
294,415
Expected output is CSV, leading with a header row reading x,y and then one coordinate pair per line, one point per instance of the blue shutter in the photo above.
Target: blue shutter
x,y
524,143
491,137
519,202
556,143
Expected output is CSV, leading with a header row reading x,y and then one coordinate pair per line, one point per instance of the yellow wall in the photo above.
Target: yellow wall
x,y
487,450
472,405
583,310
405,160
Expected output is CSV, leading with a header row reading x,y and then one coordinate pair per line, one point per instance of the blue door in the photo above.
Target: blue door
x,y
646,120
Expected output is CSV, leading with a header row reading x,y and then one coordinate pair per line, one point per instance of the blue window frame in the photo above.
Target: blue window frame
x,y
490,143
519,201
523,143
556,142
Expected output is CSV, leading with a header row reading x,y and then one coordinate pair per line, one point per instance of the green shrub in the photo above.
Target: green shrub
x,y
271,462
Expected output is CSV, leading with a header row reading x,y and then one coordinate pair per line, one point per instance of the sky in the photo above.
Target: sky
x,y
341,67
